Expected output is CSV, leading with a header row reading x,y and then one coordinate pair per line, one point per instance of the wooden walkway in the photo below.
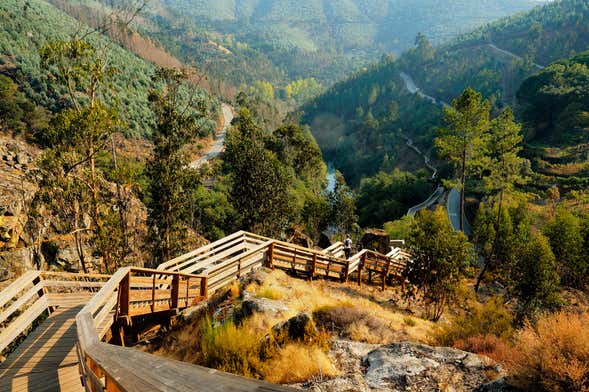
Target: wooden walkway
x,y
46,360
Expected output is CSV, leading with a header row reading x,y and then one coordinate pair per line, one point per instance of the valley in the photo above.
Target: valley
x,y
294,195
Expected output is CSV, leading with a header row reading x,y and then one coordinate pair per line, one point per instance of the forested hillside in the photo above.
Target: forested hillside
x,y
26,26
280,41
376,104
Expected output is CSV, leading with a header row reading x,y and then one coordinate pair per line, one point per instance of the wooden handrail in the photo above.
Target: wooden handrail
x,y
111,368
23,301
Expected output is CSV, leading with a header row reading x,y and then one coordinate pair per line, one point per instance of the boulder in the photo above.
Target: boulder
x,y
377,240
298,328
411,366
251,305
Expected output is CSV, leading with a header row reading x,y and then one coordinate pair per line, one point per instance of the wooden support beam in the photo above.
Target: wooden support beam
x,y
175,291
360,267
124,288
270,262
314,266
204,285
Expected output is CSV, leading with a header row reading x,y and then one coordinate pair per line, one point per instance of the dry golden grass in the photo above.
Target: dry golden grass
x,y
304,296
251,349
553,355
297,363
488,345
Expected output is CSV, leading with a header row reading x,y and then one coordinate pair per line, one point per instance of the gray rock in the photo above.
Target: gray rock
x,y
410,366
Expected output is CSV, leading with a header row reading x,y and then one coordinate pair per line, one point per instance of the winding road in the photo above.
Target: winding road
x,y
219,144
452,207
433,198
512,55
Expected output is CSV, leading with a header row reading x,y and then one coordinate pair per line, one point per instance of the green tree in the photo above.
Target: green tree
x,y
77,135
177,121
505,170
342,206
463,141
441,257
566,240
535,276
260,190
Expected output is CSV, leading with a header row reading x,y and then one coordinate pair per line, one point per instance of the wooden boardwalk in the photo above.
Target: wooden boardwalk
x,y
80,315
46,360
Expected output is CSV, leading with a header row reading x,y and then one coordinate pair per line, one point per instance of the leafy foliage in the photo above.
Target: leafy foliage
x,y
177,125
441,257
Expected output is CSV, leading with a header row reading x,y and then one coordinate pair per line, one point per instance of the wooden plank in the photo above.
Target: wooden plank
x,y
17,286
22,322
75,284
21,301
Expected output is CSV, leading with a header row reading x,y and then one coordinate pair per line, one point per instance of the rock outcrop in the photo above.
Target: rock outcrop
x,y
407,367
410,366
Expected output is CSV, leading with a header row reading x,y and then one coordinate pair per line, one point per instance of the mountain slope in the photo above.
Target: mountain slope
x,y
283,40
476,59
26,27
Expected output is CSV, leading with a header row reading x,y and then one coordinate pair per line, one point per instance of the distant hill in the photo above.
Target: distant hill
x,y
282,40
360,122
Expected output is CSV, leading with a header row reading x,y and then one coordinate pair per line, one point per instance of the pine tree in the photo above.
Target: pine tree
x,y
463,141
505,169
176,125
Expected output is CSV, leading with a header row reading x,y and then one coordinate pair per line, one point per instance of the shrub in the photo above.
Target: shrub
x,y
489,345
230,348
553,355
298,363
353,323
491,318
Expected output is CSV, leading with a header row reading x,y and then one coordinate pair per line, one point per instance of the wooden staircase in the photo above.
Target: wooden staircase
x,y
75,317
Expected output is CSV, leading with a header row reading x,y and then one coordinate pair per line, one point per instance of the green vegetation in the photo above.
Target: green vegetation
x,y
462,143
27,26
356,128
441,258
386,197
170,180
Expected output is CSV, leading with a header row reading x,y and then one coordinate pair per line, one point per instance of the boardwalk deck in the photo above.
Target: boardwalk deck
x,y
46,360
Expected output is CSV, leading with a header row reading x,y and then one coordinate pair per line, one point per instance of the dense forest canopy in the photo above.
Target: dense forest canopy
x,y
26,27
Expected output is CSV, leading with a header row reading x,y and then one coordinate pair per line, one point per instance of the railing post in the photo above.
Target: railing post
x,y
360,266
386,273
344,277
270,262
124,288
204,287
153,293
314,265
187,291
175,291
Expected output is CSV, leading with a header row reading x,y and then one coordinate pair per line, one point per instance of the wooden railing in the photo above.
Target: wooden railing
x,y
106,367
214,253
144,291
307,261
35,293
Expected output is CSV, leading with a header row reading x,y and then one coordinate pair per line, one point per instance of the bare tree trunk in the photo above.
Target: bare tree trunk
x,y
462,183
493,256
